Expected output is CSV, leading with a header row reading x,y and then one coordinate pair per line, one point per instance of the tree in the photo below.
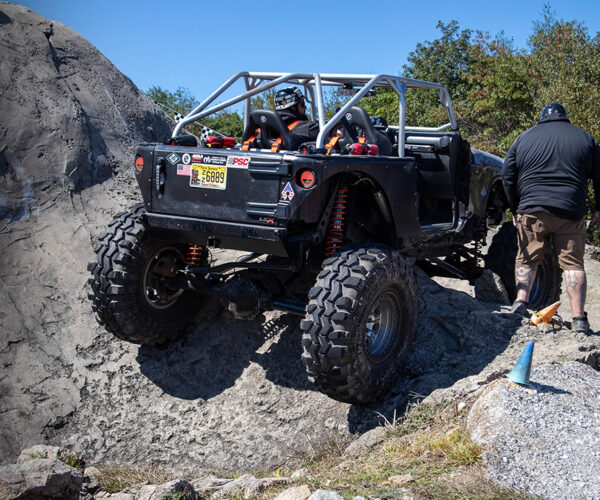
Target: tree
x,y
569,66
181,101
499,104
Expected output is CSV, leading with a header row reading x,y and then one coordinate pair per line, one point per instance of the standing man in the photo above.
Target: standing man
x,y
545,179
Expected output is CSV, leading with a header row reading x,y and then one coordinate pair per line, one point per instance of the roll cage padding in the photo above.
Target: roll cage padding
x,y
358,119
271,127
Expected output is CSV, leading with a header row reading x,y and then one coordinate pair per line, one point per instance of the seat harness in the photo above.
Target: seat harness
x,y
275,145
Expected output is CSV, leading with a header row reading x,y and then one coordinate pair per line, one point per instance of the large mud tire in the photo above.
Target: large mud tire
x,y
120,284
501,259
359,324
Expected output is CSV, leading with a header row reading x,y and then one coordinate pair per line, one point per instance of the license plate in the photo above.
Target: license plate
x,y
208,176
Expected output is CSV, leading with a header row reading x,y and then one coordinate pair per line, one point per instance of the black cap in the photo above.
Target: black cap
x,y
554,109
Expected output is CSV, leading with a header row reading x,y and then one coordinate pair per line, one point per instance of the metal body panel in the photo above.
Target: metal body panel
x,y
486,170
235,236
265,193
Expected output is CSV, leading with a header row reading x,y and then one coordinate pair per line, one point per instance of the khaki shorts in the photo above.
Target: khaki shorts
x,y
535,231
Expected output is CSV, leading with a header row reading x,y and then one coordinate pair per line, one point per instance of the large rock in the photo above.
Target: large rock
x,y
294,493
180,489
68,119
68,115
40,479
544,441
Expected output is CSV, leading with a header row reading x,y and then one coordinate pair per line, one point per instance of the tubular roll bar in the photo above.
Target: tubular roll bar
x,y
313,84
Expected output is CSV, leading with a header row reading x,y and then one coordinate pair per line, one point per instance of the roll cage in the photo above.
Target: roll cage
x,y
313,84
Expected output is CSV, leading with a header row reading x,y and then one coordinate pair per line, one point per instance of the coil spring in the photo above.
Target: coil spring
x,y
194,254
335,232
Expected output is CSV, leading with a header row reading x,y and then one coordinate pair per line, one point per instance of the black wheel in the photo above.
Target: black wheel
x,y
129,293
360,323
501,259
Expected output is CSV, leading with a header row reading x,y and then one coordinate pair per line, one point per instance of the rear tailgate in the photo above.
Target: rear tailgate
x,y
222,185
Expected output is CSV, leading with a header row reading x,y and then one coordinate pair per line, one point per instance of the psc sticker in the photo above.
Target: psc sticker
x,y
186,158
238,161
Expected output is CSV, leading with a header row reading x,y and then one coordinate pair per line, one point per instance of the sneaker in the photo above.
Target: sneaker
x,y
519,307
581,324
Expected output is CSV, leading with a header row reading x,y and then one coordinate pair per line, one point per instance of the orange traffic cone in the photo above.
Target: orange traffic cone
x,y
545,315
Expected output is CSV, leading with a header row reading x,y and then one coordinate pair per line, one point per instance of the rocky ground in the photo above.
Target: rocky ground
x,y
228,394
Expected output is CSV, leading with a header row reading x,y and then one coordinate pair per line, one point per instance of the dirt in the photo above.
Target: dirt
x,y
228,394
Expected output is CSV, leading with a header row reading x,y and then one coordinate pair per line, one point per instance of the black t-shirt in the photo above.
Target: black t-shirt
x,y
548,166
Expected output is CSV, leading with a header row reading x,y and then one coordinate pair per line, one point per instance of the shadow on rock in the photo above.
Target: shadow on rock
x,y
457,336
215,350
548,389
281,359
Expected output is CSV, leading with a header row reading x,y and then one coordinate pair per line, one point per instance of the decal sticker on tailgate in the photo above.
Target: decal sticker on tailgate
x,y
208,176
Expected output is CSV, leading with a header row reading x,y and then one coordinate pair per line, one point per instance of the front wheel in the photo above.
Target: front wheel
x,y
359,324
130,292
501,259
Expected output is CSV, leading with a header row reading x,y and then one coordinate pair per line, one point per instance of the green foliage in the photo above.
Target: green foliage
x,y
266,100
446,60
181,101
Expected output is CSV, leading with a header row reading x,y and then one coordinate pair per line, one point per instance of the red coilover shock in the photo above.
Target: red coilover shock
x,y
194,254
335,232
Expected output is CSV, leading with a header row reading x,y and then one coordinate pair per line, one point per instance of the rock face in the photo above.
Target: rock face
x,y
68,119
68,115
547,442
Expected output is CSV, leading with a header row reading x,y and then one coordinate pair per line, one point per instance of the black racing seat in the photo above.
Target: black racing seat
x,y
360,123
271,127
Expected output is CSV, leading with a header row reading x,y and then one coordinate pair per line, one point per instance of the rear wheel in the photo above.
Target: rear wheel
x,y
130,292
360,323
501,259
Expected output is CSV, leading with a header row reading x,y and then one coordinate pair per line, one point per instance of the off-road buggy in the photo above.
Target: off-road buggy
x,y
351,213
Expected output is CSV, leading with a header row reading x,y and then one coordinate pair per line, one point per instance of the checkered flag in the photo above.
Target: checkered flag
x,y
206,131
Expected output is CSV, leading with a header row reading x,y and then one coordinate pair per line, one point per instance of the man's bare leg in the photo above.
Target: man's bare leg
x,y
576,283
524,278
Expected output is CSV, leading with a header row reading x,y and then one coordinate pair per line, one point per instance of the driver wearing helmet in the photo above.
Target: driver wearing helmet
x,y
291,106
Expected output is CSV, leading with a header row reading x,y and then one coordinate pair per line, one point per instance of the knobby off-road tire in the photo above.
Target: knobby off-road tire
x,y
501,259
129,299
359,324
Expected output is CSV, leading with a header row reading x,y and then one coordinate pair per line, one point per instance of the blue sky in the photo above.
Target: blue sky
x,y
199,44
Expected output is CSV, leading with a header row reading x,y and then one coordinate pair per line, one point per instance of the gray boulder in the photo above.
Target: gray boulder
x,y
367,441
294,493
68,115
40,479
180,489
325,495
544,441
247,485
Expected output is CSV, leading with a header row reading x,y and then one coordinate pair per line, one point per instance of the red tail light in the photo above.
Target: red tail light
x,y
306,178
139,163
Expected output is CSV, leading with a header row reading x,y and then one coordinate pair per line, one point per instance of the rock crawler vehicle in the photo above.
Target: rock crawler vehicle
x,y
350,219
